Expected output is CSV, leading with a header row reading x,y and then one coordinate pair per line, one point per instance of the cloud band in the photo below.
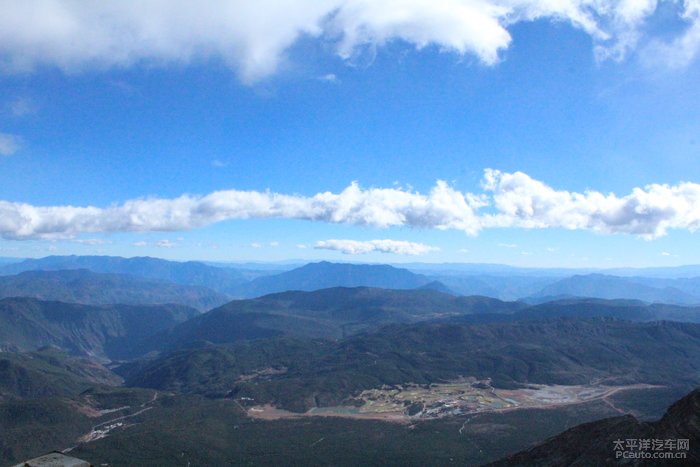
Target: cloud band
x,y
508,200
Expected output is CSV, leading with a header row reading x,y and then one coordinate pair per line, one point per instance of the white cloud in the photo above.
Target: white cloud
x,y
684,48
216,163
9,144
509,200
140,243
253,37
355,247
255,245
649,212
508,245
274,244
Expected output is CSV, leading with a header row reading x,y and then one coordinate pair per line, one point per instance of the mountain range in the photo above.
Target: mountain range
x,y
103,331
222,280
129,331
666,285
158,362
328,313
311,373
91,288
322,275
651,290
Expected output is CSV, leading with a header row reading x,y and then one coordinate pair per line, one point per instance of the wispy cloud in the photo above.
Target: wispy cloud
x,y
9,144
253,38
22,106
329,78
219,164
356,247
508,200
92,241
163,243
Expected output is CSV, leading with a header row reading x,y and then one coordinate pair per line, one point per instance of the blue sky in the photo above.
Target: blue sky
x,y
555,111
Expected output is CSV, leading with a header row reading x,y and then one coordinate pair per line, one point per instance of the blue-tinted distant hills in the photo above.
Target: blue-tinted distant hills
x,y
91,288
322,275
222,280
684,291
679,285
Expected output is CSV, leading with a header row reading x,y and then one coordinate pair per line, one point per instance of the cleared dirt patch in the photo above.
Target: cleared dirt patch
x,y
411,402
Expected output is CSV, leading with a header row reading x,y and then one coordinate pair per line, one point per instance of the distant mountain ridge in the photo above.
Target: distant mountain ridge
x,y
91,288
222,280
322,275
663,285
584,308
672,291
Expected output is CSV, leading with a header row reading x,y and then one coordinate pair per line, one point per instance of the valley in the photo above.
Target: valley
x,y
413,402
321,376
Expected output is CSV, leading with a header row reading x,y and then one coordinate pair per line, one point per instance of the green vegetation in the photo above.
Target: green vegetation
x,y
100,331
30,428
184,430
195,374
328,313
49,372
318,373
593,443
